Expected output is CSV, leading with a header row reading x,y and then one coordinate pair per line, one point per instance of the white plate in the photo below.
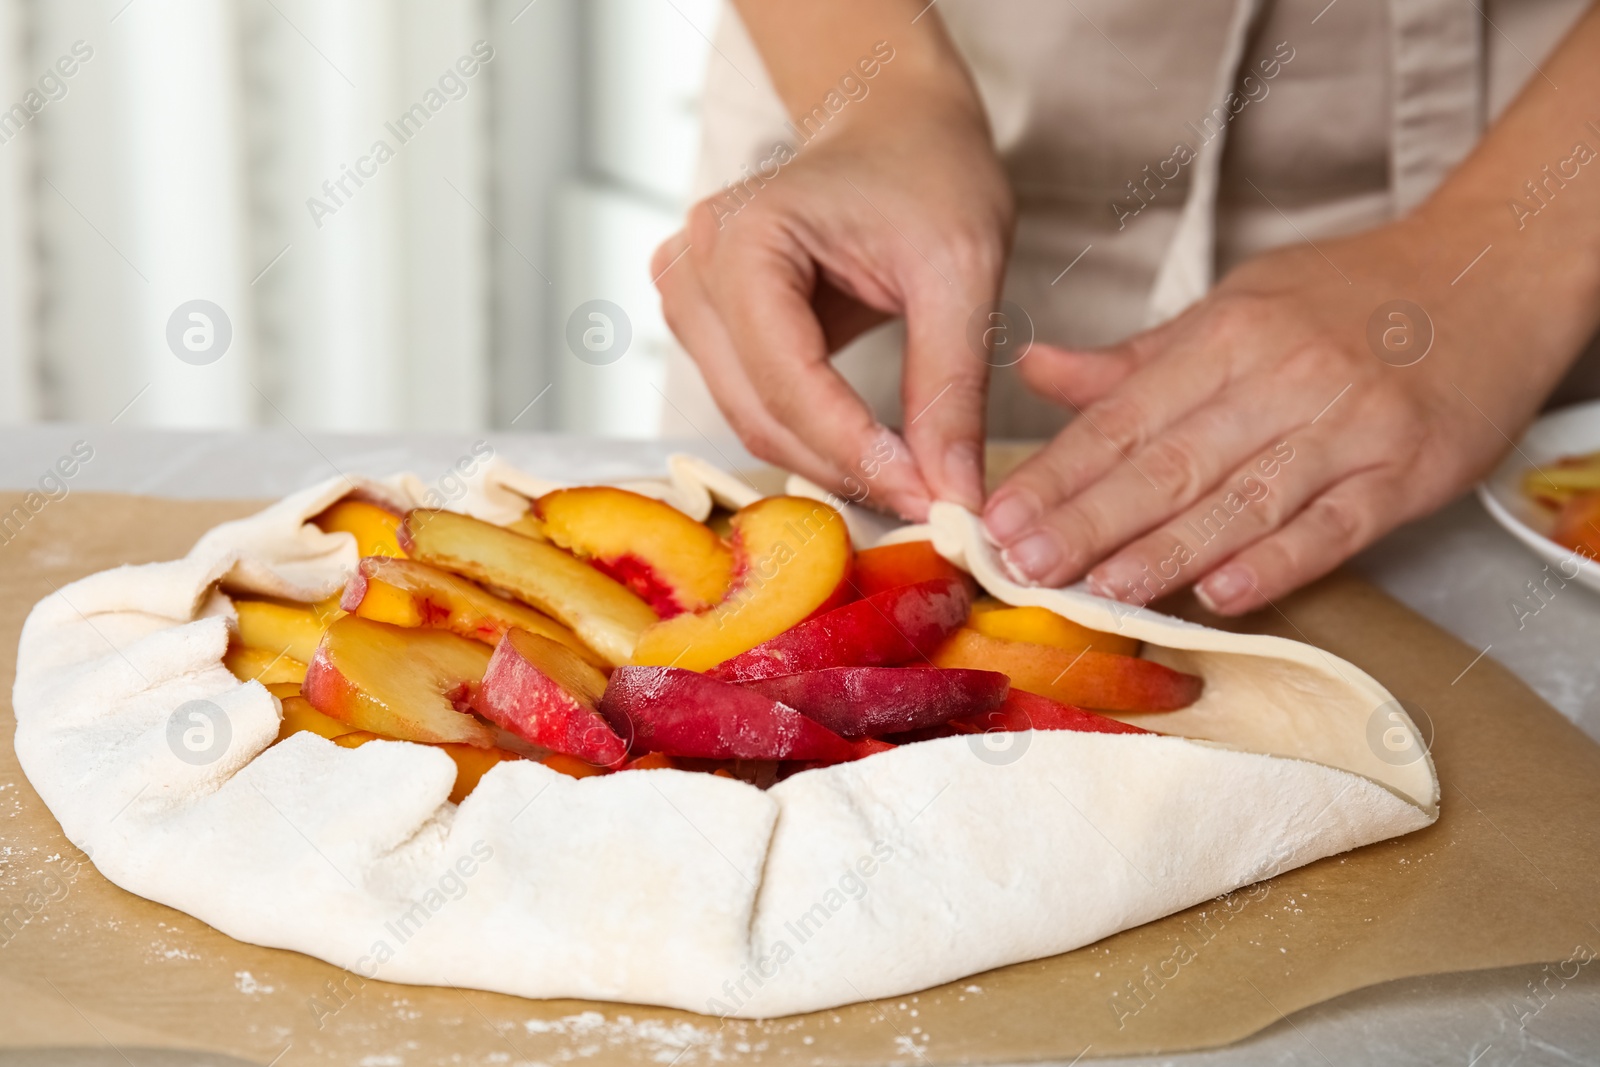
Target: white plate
x,y
1560,433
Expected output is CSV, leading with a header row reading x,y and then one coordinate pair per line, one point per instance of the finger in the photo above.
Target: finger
x,y
1160,480
764,298
694,322
1255,499
945,382
1075,377
1332,528
1103,435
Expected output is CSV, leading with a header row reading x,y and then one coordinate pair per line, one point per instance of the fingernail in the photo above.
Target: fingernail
x,y
1119,580
1032,557
1222,588
913,507
963,475
1008,514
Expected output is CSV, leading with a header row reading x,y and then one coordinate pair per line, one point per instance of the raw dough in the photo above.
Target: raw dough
x,y
864,880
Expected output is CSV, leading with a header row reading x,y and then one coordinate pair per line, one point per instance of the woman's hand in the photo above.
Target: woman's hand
x,y
1273,429
898,207
1280,425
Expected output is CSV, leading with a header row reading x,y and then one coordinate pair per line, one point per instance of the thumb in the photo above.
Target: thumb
x,y
1075,377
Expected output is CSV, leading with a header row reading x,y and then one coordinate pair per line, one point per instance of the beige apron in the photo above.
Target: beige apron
x,y
1334,117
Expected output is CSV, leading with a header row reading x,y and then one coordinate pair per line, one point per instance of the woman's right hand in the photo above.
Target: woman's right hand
x,y
898,207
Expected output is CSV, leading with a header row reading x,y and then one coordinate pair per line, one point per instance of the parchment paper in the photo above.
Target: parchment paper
x,y
1507,876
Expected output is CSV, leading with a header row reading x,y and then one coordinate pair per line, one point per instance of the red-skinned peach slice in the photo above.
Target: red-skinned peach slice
x,y
405,592
1040,626
373,527
672,562
404,684
684,713
869,701
1029,711
791,555
877,570
604,614
892,627
1101,680
544,693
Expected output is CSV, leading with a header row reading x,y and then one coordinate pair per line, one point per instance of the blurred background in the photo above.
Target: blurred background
x,y
387,210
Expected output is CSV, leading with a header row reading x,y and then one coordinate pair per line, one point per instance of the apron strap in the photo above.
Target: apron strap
x,y
1436,53
1186,269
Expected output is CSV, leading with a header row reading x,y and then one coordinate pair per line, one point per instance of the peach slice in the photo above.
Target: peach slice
x,y
604,614
259,665
404,592
283,690
870,701
571,766
674,563
1041,626
896,626
472,763
404,684
372,526
357,738
878,570
528,525
1028,711
543,692
1102,680
791,555
684,713
279,627
1577,526
298,715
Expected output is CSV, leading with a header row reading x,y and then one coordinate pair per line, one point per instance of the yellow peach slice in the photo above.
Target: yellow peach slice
x,y
604,614
278,627
791,557
405,684
260,665
674,563
1040,626
373,527
406,592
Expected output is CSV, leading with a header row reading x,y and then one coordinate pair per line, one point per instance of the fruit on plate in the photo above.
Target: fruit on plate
x,y
1105,681
886,567
277,627
683,713
1555,484
405,592
373,527
672,562
1029,711
407,684
891,627
357,738
299,715
260,665
1041,626
791,556
869,701
605,614
1577,525
472,763
543,692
